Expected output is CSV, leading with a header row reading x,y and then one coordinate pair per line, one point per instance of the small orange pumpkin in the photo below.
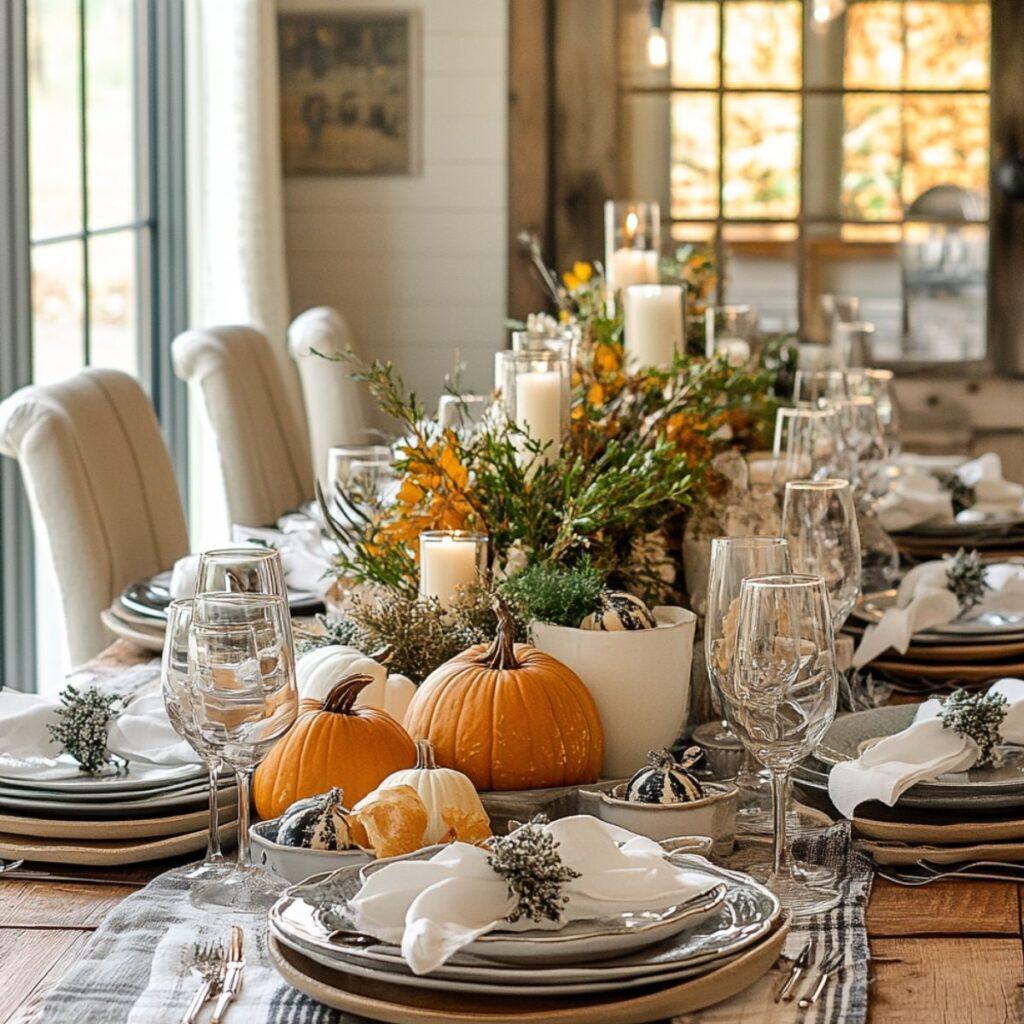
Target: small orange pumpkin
x,y
509,716
332,744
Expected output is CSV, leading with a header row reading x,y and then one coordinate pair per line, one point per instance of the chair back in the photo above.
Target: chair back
x,y
335,403
101,488
262,446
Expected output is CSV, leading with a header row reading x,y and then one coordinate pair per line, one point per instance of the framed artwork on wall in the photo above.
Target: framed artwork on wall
x,y
350,85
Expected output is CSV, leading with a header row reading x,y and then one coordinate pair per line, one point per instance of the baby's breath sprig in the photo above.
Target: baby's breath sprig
x,y
82,727
528,861
978,716
965,577
962,495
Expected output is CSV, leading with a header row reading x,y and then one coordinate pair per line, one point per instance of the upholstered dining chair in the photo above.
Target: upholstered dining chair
x,y
101,488
335,403
261,441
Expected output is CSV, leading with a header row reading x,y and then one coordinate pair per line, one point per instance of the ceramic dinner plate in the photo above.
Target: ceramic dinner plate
x,y
139,776
172,803
136,828
147,639
968,523
871,608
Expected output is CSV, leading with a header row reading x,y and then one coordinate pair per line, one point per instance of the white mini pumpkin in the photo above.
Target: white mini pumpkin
x,y
620,611
318,670
450,797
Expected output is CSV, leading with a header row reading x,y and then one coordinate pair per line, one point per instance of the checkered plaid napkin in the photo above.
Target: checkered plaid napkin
x,y
136,969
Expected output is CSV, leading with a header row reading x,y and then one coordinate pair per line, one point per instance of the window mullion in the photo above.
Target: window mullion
x,y
83,126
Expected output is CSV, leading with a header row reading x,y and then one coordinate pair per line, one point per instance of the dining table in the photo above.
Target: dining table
x,y
950,952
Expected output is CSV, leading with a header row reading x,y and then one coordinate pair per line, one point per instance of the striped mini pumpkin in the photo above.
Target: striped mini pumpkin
x,y
619,611
663,781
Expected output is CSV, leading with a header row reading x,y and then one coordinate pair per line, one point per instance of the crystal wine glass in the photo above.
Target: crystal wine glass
x,y
174,682
860,432
878,384
806,445
780,696
820,522
732,559
818,387
242,699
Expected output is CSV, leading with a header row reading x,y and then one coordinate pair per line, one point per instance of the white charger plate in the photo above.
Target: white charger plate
x,y
138,776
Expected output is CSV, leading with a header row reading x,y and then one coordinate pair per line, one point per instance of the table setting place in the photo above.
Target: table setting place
x,y
517,770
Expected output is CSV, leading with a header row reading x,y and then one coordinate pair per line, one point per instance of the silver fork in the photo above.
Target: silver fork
x,y
913,880
210,961
828,967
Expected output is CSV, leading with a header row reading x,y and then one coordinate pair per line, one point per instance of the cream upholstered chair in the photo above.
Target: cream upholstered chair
x,y
101,488
335,403
261,441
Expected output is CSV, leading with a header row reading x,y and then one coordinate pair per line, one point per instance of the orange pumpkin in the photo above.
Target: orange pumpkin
x,y
509,717
332,744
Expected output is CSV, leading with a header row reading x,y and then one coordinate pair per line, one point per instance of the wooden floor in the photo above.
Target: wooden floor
x,y
949,953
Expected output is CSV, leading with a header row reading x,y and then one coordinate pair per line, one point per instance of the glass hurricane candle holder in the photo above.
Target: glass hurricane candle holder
x,y
450,559
535,392
632,243
730,330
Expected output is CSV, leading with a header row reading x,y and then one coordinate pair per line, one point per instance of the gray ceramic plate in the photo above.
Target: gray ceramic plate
x,y
993,624
968,524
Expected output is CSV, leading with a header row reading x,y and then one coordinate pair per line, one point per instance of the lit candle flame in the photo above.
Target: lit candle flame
x,y
632,223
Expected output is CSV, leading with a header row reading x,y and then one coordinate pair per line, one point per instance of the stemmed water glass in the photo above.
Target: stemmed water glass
x,y
779,694
806,445
240,699
732,559
878,384
174,672
820,522
818,387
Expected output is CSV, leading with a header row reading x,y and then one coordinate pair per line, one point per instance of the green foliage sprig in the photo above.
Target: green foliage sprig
x,y
962,495
563,596
965,577
977,716
81,729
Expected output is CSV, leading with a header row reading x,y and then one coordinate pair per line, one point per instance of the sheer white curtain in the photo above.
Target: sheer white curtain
x,y
236,206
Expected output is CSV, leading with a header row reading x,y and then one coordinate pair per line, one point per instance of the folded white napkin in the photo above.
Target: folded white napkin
x,y
923,600
303,555
924,750
434,908
917,497
141,733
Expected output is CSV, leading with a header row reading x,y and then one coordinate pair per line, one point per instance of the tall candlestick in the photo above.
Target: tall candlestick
x,y
450,559
653,325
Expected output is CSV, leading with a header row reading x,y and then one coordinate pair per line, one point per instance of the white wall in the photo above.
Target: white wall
x,y
418,264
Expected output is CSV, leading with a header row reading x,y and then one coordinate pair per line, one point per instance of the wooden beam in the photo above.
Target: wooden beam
x,y
529,148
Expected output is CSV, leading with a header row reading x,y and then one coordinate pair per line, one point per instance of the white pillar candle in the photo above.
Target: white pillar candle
x,y
653,325
447,563
736,350
632,266
539,407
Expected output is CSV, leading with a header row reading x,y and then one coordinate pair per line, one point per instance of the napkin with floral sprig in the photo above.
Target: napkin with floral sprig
x,y
963,731
940,592
582,868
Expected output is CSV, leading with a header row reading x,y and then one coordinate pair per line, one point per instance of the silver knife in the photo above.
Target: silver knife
x,y
233,978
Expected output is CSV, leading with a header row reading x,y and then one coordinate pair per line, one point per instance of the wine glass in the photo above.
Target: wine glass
x,y
806,445
732,559
818,387
339,468
878,384
860,432
820,522
242,700
780,696
174,683
247,569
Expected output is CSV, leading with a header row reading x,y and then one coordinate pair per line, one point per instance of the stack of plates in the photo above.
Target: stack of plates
x,y
969,815
976,649
995,535
677,959
150,812
139,614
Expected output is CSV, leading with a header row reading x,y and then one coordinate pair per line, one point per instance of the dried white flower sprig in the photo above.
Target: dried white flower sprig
x,y
978,716
528,861
82,727
965,577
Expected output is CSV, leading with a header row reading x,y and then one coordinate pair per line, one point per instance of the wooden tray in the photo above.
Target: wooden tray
x,y
944,671
106,853
970,653
958,832
890,853
401,1005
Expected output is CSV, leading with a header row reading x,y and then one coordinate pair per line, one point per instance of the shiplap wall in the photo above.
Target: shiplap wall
x,y
418,264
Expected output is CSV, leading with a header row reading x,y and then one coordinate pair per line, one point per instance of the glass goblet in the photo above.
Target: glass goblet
x,y
174,683
246,569
780,697
817,387
807,445
241,686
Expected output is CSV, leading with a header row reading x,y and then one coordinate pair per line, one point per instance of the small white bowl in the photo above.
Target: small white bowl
x,y
713,815
295,863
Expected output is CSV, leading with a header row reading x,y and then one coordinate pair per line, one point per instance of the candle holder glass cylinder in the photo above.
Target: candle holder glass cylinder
x,y
536,395
730,330
450,559
562,341
632,243
654,324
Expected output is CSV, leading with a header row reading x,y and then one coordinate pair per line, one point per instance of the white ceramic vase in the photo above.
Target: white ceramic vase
x,y
640,680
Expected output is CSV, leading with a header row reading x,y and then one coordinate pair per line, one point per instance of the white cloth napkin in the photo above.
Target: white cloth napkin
x,y
917,497
923,601
436,907
926,749
142,733
303,555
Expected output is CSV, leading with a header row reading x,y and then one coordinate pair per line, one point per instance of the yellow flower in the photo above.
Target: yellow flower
x,y
580,274
595,395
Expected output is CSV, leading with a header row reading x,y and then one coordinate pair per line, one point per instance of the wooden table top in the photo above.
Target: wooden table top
x,y
947,953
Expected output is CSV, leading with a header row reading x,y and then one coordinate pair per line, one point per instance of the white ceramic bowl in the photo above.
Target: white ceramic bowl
x,y
295,863
714,815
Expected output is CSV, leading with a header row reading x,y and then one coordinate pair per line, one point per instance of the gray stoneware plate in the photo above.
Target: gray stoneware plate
x,y
993,624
